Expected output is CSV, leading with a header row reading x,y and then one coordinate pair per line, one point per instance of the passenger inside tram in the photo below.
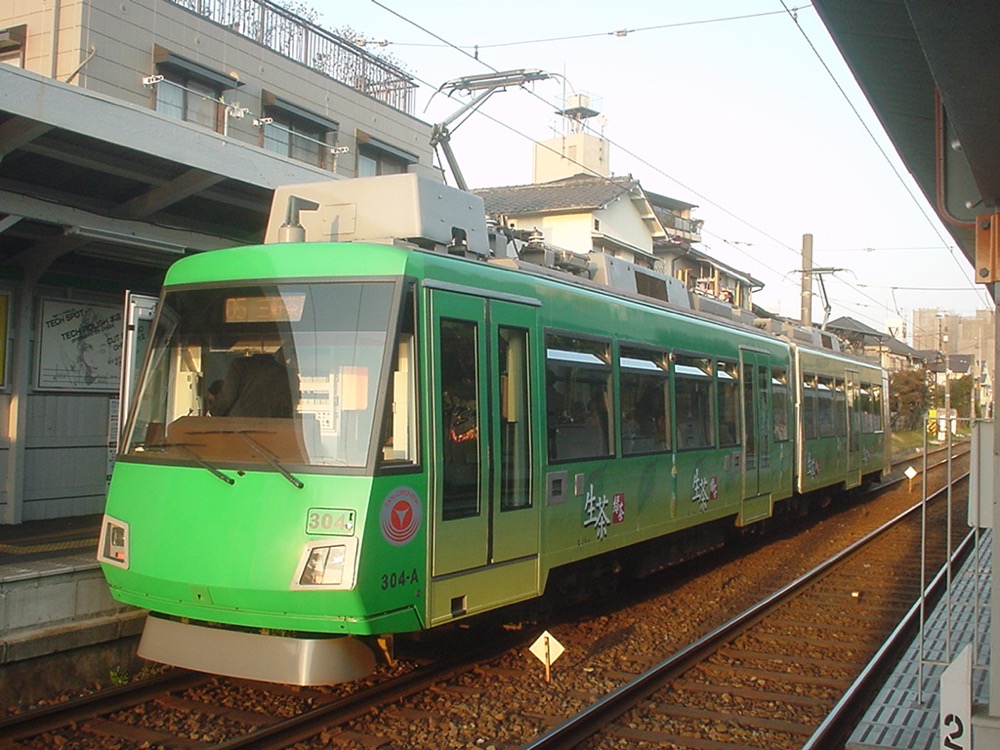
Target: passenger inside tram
x,y
254,386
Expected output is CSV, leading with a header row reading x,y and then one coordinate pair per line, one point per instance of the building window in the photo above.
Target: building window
x,y
188,100
372,161
188,90
377,157
296,141
12,45
292,131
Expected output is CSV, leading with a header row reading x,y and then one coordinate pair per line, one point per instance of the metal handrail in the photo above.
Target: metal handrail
x,y
299,39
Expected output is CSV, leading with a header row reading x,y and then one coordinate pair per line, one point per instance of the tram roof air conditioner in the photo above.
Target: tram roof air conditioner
x,y
379,209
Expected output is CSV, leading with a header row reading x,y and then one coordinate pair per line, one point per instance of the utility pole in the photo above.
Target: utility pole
x,y
808,272
807,264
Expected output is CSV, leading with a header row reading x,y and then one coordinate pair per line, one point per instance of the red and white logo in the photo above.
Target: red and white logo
x,y
401,516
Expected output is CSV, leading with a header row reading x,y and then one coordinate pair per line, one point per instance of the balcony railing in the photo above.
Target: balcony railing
x,y
296,38
673,221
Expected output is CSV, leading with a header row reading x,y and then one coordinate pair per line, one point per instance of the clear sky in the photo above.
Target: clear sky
x,y
732,105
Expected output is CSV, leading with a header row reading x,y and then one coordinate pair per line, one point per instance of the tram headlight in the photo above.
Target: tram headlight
x,y
328,565
325,566
112,548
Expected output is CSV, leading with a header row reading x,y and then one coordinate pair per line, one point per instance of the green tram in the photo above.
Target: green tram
x,y
341,439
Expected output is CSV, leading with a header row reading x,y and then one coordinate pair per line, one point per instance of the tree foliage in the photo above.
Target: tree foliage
x,y
960,395
909,399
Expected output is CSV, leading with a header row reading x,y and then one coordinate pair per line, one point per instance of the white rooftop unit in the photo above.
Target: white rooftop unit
x,y
379,209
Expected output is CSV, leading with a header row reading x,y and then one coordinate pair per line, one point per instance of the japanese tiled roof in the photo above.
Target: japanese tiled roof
x,y
578,193
665,202
870,337
850,325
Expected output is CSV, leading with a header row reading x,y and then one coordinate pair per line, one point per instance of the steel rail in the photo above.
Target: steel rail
x,y
303,726
591,720
56,715
847,707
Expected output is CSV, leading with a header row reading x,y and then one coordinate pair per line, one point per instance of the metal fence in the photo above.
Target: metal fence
x,y
298,39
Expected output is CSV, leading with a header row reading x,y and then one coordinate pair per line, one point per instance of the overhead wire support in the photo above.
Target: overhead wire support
x,y
819,273
486,84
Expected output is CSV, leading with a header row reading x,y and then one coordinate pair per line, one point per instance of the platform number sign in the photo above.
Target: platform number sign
x,y
953,732
955,723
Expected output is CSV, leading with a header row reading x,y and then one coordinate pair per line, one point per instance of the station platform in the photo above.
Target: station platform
x,y
906,711
54,600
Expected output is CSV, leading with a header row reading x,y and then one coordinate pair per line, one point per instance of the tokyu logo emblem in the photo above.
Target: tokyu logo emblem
x,y
401,516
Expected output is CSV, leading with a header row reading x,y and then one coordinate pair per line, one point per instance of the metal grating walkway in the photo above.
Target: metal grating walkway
x,y
898,718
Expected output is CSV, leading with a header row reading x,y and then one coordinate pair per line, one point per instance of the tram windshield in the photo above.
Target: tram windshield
x,y
274,374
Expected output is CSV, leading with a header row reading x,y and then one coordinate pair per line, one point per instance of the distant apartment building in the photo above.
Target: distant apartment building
x,y
131,134
968,336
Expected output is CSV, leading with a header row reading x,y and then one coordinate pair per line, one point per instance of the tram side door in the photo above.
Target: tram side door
x,y
853,385
755,377
484,511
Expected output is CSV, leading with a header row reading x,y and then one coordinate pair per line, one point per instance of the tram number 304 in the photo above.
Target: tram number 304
x,y
399,578
330,521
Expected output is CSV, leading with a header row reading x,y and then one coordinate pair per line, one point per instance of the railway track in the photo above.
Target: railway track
x,y
190,710
183,709
772,676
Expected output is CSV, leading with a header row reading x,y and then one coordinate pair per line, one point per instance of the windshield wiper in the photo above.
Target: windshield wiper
x,y
186,447
259,449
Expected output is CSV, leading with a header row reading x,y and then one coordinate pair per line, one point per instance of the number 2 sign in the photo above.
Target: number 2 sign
x,y
955,724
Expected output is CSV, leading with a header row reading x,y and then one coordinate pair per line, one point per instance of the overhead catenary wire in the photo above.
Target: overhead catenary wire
x,y
617,145
705,199
623,32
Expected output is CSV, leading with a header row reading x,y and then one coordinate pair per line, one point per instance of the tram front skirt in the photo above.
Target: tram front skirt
x,y
255,656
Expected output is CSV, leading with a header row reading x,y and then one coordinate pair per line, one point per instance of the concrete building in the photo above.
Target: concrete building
x,y
968,336
132,134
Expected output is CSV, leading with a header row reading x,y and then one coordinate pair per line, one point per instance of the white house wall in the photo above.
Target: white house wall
x,y
571,232
621,220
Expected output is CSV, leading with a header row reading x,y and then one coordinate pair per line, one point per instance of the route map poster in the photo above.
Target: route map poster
x,y
80,346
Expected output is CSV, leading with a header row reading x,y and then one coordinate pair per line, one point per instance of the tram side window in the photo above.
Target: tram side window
x,y
727,374
399,425
693,384
839,408
865,407
810,407
644,389
577,397
873,412
779,400
824,403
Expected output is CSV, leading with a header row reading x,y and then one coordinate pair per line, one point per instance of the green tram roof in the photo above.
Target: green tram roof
x,y
309,260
